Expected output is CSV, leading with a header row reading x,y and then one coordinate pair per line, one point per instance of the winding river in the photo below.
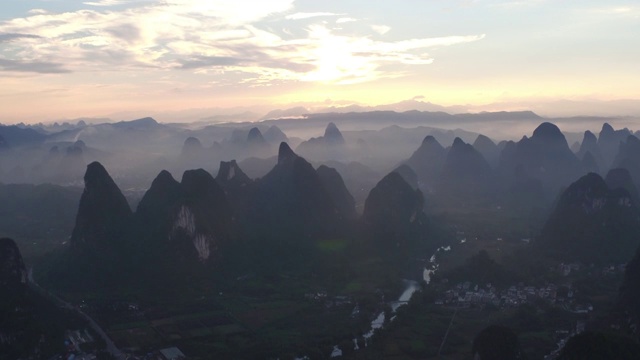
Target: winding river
x,y
410,288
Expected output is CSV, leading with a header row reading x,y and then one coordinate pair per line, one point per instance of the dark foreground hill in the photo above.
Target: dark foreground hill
x,y
592,223
31,327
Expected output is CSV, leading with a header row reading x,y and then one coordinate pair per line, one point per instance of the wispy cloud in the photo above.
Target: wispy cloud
x,y
616,10
41,67
107,3
10,37
343,20
309,15
219,38
515,4
380,29
345,60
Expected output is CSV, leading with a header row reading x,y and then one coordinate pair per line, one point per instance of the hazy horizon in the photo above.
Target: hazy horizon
x,y
68,59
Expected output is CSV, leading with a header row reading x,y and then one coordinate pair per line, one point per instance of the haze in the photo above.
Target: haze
x,y
123,59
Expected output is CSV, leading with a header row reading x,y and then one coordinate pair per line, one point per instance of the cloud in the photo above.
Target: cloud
x,y
510,4
380,29
343,20
41,67
37,11
304,15
10,37
209,61
127,32
225,40
616,10
346,60
106,3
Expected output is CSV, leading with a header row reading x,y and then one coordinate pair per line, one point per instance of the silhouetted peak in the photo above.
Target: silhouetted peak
x,y
548,131
103,213
255,136
483,141
285,153
509,145
427,160
192,143
274,135
54,150
80,144
392,204
333,135
146,122
459,147
457,143
96,174
163,187
429,139
590,144
606,129
589,138
196,181
192,147
164,180
12,269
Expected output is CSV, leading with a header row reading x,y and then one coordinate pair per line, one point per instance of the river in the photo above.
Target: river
x,y
410,288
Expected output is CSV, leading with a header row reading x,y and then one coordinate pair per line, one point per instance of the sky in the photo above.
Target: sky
x,y
74,58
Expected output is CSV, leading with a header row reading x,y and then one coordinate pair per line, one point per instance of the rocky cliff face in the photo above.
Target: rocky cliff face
x,y
192,217
230,173
238,187
204,214
103,215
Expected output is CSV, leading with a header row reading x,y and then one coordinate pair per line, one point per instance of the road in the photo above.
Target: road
x,y
111,347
